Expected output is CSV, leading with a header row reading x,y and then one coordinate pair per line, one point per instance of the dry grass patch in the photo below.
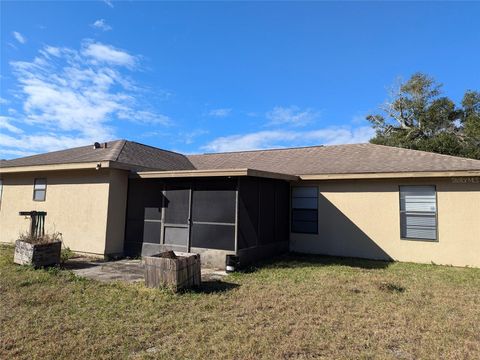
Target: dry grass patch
x,y
293,308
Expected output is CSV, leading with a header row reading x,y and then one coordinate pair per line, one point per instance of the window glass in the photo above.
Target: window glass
x,y
302,192
305,210
304,203
39,189
418,212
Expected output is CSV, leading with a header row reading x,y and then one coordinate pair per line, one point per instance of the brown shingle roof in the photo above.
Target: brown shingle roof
x,y
150,157
136,156
314,160
335,159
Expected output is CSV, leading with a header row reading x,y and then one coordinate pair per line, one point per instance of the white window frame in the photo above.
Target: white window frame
x,y
404,212
40,187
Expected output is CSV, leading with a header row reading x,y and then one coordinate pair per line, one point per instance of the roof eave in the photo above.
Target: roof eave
x,y
55,167
391,175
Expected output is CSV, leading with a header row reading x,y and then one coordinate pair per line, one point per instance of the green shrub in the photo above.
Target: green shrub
x,y
66,254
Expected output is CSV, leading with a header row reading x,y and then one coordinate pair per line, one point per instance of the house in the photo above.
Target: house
x,y
363,200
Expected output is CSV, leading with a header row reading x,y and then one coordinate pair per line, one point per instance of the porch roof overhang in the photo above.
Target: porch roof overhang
x,y
214,173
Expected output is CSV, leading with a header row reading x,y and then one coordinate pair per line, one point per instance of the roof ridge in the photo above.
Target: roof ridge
x,y
157,148
281,149
123,142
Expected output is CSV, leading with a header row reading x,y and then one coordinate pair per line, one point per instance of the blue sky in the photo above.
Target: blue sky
x,y
219,76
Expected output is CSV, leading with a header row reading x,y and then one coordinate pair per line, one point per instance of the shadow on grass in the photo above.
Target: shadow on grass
x,y
295,260
80,265
213,286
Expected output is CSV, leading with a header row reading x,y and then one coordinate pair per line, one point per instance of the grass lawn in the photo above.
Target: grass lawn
x,y
293,308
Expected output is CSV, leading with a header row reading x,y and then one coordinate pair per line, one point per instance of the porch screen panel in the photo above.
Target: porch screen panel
x,y
248,209
151,232
177,203
305,210
213,214
144,207
210,236
214,206
152,225
418,212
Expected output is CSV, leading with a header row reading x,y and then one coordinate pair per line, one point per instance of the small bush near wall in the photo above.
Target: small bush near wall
x,y
66,254
38,251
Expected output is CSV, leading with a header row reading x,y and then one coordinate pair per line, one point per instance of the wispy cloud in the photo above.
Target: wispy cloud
x,y
291,115
101,24
30,144
284,138
7,153
224,112
189,137
19,37
72,97
109,3
6,124
99,53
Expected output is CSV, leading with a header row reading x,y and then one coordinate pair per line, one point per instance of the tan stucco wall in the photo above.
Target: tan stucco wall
x,y
361,219
78,204
117,205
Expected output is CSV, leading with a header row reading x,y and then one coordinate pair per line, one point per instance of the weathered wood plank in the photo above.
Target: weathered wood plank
x,y
176,271
37,254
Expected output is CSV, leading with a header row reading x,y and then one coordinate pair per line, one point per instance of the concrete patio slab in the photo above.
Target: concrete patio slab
x,y
126,270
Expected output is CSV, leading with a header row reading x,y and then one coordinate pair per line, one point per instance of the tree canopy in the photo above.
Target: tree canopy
x,y
418,117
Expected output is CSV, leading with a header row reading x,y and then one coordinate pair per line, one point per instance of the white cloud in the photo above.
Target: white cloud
x,y
19,37
68,100
101,24
7,153
52,50
189,137
109,3
291,116
3,101
252,141
284,138
145,117
220,112
31,143
99,53
6,123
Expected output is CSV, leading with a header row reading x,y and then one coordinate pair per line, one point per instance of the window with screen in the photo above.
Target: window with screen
x,y
305,210
418,212
39,189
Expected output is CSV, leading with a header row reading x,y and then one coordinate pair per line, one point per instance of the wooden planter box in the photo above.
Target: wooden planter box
x,y
37,254
177,272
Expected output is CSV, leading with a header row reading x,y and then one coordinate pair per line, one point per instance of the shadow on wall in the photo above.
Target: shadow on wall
x,y
339,236
72,177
